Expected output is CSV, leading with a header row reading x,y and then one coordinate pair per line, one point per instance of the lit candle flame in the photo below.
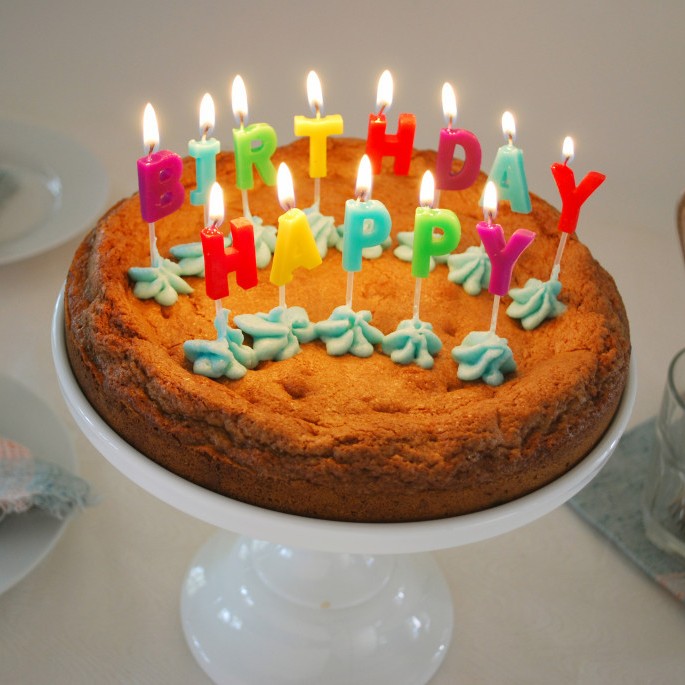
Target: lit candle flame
x,y
427,192
215,213
490,201
207,116
384,92
567,149
509,126
364,178
284,185
150,129
239,99
314,94
449,104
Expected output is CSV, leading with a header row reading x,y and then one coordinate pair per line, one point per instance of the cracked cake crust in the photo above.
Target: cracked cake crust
x,y
347,438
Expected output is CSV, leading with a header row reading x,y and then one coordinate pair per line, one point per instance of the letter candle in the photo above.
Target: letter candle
x,y
295,245
503,254
360,213
426,220
221,261
317,129
159,181
508,172
253,146
204,152
380,144
572,197
450,137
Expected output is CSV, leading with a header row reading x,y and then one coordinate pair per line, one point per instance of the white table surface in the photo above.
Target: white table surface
x,y
553,602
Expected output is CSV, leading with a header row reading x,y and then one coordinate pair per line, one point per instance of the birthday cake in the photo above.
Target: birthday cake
x,y
324,432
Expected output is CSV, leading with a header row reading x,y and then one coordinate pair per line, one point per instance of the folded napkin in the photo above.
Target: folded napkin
x,y
612,503
27,482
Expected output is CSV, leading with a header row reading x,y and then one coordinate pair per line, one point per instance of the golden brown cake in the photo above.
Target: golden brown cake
x,y
348,438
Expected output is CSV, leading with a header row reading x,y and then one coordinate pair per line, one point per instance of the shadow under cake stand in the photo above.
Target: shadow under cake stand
x,y
306,601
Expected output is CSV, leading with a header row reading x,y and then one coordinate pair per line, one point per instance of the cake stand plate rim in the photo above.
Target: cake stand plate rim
x,y
319,534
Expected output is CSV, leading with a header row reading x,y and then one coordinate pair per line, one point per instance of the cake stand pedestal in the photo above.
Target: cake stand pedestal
x,y
300,601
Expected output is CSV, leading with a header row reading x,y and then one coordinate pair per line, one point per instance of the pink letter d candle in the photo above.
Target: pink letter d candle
x,y
450,138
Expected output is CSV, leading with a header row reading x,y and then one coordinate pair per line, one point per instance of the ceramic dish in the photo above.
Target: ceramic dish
x,y
51,189
26,539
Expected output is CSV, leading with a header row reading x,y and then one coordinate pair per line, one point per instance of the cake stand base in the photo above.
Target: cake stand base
x,y
259,612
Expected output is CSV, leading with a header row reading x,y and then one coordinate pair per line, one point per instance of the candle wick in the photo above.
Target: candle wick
x,y
567,160
511,138
151,150
205,133
380,111
450,122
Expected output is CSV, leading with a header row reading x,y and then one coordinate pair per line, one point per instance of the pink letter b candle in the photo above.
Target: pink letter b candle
x,y
159,182
159,175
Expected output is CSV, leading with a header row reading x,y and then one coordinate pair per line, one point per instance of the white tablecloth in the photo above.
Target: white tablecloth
x,y
550,603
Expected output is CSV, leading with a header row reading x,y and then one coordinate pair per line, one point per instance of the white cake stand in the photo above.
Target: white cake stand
x,y
299,601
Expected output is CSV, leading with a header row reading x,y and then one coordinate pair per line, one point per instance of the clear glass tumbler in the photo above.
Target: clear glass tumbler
x,y
664,494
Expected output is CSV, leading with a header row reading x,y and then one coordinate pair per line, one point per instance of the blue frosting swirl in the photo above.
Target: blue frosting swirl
x,y
483,354
413,341
405,250
348,332
225,356
192,261
535,302
162,282
470,269
277,335
323,229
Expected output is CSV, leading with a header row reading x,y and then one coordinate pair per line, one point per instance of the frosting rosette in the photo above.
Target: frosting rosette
x,y
470,269
323,228
484,355
190,258
349,332
413,341
277,335
405,250
225,356
535,302
162,282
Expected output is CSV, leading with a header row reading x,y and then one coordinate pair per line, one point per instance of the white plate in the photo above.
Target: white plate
x,y
26,539
51,189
